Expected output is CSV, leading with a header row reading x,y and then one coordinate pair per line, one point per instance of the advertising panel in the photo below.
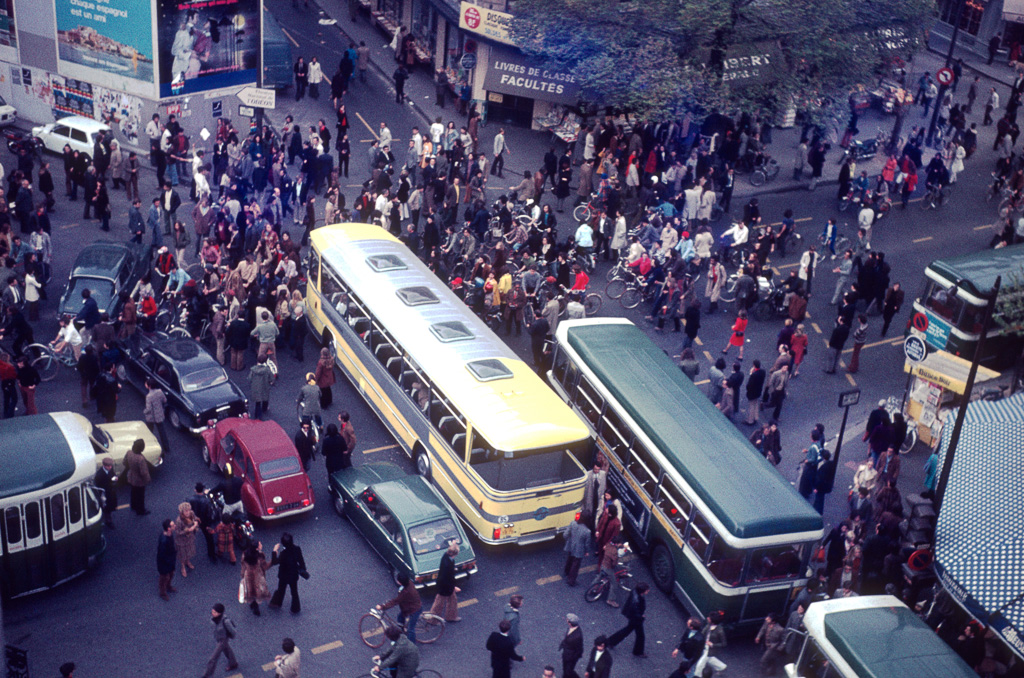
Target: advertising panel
x,y
207,44
509,72
489,23
109,41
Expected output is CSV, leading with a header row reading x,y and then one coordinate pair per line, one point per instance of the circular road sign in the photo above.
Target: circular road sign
x,y
915,349
472,17
920,322
468,61
944,76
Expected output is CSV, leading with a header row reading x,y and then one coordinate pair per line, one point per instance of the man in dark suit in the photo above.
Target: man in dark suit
x,y
105,480
571,647
503,651
292,565
599,665
634,610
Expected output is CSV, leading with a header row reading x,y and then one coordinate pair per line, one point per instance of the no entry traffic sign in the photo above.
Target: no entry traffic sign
x,y
944,76
920,322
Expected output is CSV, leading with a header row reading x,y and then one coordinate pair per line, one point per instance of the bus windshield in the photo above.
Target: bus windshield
x,y
508,471
937,299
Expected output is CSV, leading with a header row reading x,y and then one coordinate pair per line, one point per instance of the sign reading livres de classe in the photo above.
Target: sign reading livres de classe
x,y
511,73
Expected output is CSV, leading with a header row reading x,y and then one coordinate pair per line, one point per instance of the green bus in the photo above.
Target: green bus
x,y
52,528
722,529
872,637
950,319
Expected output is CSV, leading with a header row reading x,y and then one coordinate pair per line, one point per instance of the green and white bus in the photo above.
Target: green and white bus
x,y
872,637
52,528
723,530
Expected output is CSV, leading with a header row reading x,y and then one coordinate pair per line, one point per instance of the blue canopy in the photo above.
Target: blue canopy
x,y
979,536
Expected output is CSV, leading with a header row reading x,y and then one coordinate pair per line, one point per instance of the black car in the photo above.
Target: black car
x,y
197,387
105,268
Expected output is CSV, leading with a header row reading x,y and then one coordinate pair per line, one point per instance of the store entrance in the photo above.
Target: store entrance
x,y
506,109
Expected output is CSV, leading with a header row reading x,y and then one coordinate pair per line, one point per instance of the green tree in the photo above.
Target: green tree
x,y
659,58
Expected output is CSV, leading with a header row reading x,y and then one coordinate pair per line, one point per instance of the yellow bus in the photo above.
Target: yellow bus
x,y
502,448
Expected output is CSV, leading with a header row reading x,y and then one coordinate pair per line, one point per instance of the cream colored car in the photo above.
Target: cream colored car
x,y
114,441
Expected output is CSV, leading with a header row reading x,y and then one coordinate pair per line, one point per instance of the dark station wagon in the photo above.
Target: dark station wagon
x,y
105,269
403,518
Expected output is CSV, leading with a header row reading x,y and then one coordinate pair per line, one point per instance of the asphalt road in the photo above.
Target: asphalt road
x,y
111,622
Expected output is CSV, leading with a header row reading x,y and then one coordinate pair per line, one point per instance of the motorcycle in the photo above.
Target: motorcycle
x,y
866,149
242,525
16,141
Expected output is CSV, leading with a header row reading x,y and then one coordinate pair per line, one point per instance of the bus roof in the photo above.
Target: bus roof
x,y
977,272
514,410
704,447
39,451
880,637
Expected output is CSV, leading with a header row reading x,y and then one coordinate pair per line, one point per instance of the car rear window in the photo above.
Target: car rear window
x,y
279,468
435,536
204,378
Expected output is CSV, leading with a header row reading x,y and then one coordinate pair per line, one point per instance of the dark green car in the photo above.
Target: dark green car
x,y
405,520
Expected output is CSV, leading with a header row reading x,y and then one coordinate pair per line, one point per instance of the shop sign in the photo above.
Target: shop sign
x,y
937,332
509,72
486,22
750,64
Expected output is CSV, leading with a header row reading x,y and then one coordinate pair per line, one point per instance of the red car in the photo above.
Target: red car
x,y
263,455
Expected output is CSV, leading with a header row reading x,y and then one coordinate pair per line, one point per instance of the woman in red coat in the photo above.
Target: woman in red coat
x,y
739,328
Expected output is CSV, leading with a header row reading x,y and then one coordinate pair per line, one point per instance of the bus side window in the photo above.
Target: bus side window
x,y
570,379
313,269
561,365
92,505
725,562
12,530
643,468
699,536
775,562
482,451
813,662
33,521
589,401
674,504
75,506
615,434
58,521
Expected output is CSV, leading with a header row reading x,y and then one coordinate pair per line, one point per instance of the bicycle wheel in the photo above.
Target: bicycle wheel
x,y
429,628
371,630
615,272
179,333
163,320
842,242
581,213
595,592
757,177
631,298
524,220
529,314
615,288
911,439
44,360
592,304
195,271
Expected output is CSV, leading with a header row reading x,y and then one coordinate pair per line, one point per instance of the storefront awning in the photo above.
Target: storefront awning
x,y
947,370
1013,10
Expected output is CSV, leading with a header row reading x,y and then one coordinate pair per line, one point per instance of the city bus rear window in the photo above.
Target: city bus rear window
x,y
33,526
12,524
938,299
508,471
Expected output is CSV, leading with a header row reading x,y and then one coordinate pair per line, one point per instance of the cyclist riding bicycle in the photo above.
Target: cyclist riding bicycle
x,y
409,605
177,278
581,280
936,176
584,239
400,659
67,336
736,235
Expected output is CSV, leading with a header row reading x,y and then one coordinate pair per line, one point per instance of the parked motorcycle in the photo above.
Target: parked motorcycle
x,y
864,149
16,141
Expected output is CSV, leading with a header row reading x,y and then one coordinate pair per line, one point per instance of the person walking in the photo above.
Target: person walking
x,y
809,466
503,651
771,637
691,645
154,412
577,541
185,527
287,665
291,565
224,632
755,387
894,297
325,378
824,478
261,377
136,473
446,603
28,382
301,78
571,646
836,342
255,589
860,337
634,611
844,269
513,616
106,480
401,75
739,328
599,663
166,558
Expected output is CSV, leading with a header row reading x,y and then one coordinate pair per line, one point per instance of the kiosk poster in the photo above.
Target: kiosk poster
x,y
207,44
108,41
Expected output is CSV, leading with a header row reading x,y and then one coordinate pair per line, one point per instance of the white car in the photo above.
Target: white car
x,y
7,113
77,132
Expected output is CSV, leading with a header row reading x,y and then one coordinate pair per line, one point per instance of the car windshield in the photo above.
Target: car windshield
x,y
3,102
279,468
435,536
101,437
102,291
204,378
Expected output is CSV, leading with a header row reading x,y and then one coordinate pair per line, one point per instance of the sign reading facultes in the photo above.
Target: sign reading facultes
x,y
511,73
486,22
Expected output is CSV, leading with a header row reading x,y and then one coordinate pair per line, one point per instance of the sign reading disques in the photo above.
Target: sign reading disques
x,y
509,72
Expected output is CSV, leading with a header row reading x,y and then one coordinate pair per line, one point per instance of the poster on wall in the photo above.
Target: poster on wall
x,y
108,41
71,97
207,44
120,111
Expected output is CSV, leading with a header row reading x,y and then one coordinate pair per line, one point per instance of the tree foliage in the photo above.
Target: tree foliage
x,y
659,58
1009,311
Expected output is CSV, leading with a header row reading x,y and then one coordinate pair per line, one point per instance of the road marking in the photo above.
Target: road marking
x,y
702,382
925,239
982,228
267,667
699,342
327,647
289,36
367,126
549,580
467,603
891,342
380,449
707,354
506,592
123,506
790,265
816,328
588,568
67,226
802,219
849,378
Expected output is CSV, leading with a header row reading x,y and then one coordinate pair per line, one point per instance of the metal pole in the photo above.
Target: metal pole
x,y
839,443
949,60
954,438
259,72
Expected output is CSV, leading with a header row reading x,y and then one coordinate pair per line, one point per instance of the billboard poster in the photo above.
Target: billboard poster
x,y
108,41
207,44
71,97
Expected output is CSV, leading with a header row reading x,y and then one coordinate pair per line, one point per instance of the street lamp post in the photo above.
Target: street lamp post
x,y
954,438
949,62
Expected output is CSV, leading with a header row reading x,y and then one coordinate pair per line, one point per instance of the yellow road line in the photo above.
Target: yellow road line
x,y
982,228
506,592
123,506
801,220
549,580
699,342
380,449
816,328
924,239
467,603
849,378
702,382
707,354
289,36
790,265
327,646
266,667
890,342
367,126
588,568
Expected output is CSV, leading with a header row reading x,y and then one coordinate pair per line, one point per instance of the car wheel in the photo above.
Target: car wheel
x,y
423,464
394,576
663,570
122,372
176,420
208,459
339,505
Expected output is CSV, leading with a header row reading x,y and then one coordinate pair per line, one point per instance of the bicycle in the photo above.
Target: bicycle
x,y
429,627
47,360
602,587
585,211
935,197
765,171
841,245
